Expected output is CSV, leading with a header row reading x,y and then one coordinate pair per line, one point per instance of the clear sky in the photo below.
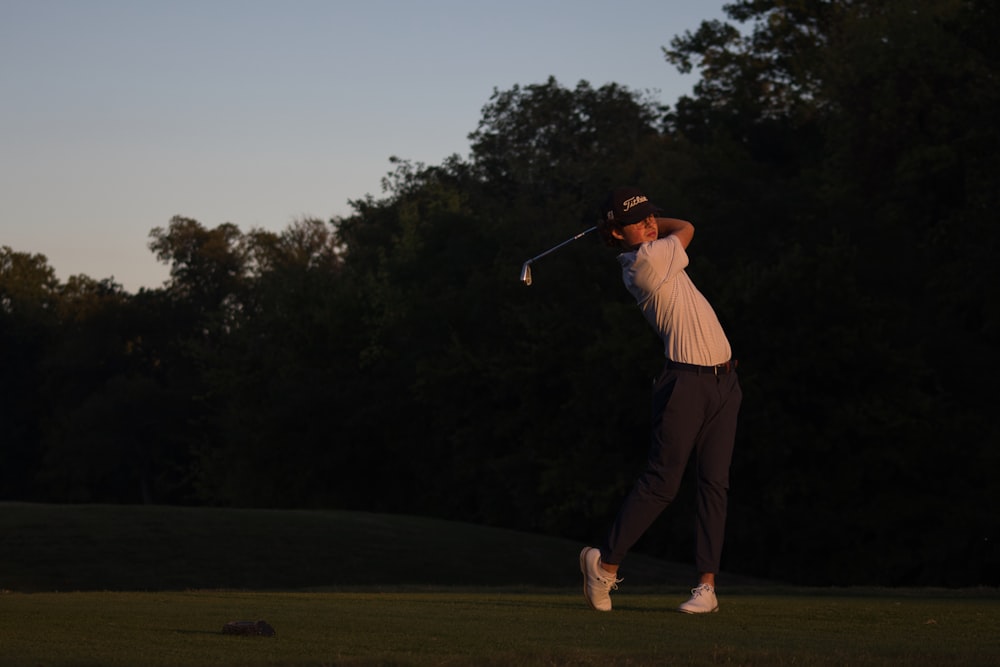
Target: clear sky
x,y
116,115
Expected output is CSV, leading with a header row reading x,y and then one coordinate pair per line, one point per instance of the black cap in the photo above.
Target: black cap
x,y
627,206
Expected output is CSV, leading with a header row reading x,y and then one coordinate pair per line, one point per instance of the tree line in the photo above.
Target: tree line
x,y
840,163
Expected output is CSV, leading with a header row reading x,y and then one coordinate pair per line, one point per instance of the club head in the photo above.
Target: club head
x,y
526,273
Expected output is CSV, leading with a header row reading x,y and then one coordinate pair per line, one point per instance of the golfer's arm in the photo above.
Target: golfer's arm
x,y
682,229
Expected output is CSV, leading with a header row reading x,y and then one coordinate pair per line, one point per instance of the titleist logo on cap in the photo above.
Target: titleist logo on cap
x,y
633,201
627,205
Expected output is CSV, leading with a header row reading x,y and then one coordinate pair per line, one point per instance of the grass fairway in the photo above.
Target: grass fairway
x,y
376,609
493,627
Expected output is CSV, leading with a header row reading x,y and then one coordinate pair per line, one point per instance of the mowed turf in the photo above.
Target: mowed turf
x,y
492,627
365,611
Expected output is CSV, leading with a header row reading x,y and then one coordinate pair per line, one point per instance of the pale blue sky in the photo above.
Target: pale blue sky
x,y
116,115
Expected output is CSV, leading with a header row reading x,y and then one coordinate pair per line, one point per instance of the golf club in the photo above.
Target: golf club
x,y
526,267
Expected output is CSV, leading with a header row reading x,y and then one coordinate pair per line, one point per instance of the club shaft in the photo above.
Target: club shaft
x,y
566,242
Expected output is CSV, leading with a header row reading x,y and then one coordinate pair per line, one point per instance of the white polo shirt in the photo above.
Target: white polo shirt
x,y
685,320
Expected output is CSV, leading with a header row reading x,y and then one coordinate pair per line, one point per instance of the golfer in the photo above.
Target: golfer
x,y
696,398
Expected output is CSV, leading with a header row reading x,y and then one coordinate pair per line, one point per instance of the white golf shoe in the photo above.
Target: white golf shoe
x,y
597,582
703,601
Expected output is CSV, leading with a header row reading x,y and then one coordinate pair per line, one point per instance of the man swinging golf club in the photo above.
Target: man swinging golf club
x,y
696,398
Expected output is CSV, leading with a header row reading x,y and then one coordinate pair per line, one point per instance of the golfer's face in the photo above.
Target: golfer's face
x,y
640,232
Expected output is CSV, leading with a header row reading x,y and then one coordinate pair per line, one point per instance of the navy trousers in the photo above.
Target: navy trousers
x,y
694,412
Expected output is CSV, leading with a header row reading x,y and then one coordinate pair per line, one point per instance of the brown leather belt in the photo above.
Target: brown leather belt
x,y
720,369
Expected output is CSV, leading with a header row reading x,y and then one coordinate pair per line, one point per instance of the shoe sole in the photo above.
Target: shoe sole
x,y
583,571
710,611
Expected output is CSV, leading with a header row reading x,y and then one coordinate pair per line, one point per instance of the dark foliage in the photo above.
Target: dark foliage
x,y
839,161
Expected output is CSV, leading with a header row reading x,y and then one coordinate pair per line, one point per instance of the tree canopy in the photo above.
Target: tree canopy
x,y
839,162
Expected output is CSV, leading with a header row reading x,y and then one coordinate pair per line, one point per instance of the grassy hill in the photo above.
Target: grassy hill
x,y
101,547
157,584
